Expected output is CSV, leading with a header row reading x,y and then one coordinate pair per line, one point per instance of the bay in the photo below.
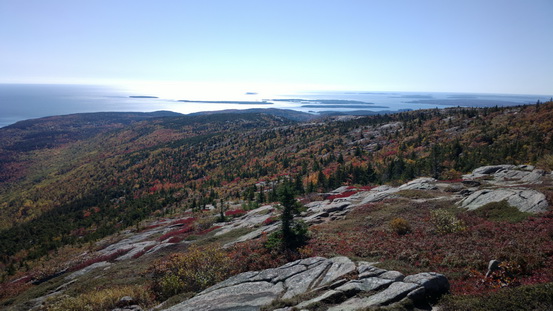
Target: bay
x,y
28,101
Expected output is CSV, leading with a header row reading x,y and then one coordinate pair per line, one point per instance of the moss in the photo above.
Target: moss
x,y
501,211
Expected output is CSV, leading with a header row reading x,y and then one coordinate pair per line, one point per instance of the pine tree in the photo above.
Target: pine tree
x,y
294,234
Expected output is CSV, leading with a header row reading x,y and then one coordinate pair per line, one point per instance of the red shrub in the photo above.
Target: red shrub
x,y
108,257
526,244
175,239
253,256
183,230
269,221
184,221
208,230
235,213
344,194
143,251
150,227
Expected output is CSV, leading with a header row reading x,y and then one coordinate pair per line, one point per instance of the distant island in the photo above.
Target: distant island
x,y
140,96
343,106
226,102
329,103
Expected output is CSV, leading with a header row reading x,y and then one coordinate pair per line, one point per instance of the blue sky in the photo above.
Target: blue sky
x,y
488,46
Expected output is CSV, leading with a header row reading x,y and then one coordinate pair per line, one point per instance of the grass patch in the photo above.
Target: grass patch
x,y
530,297
101,299
501,211
415,194
227,237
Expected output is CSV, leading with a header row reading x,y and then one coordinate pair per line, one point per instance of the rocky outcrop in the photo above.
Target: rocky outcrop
x,y
323,279
423,183
526,200
506,182
508,175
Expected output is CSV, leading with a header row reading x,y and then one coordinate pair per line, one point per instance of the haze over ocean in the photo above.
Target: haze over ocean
x,y
28,101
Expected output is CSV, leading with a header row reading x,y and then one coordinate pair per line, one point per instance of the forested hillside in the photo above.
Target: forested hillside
x,y
118,177
74,179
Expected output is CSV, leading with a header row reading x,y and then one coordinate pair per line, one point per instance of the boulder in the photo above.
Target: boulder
x,y
244,296
340,267
330,296
508,174
423,183
435,284
493,265
392,275
300,283
367,270
252,290
336,206
363,285
526,200
376,196
316,218
490,169
125,301
534,177
395,292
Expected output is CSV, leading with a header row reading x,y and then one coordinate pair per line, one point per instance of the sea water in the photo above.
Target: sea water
x,y
28,101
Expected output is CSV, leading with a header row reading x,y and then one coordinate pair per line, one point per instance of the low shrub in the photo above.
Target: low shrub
x,y
446,222
400,226
204,223
531,297
192,271
235,213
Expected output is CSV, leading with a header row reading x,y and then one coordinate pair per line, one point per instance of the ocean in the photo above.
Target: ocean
x,y
28,101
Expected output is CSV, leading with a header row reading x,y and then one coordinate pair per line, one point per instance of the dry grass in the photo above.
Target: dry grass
x,y
101,299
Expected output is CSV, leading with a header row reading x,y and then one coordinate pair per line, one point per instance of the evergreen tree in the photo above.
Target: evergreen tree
x,y
293,233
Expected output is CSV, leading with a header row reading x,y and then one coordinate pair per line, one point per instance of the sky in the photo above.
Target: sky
x,y
481,46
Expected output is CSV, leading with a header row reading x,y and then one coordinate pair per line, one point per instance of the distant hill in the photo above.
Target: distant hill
x,y
285,113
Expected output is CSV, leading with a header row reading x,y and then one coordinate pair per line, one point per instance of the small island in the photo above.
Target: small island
x,y
227,102
141,96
